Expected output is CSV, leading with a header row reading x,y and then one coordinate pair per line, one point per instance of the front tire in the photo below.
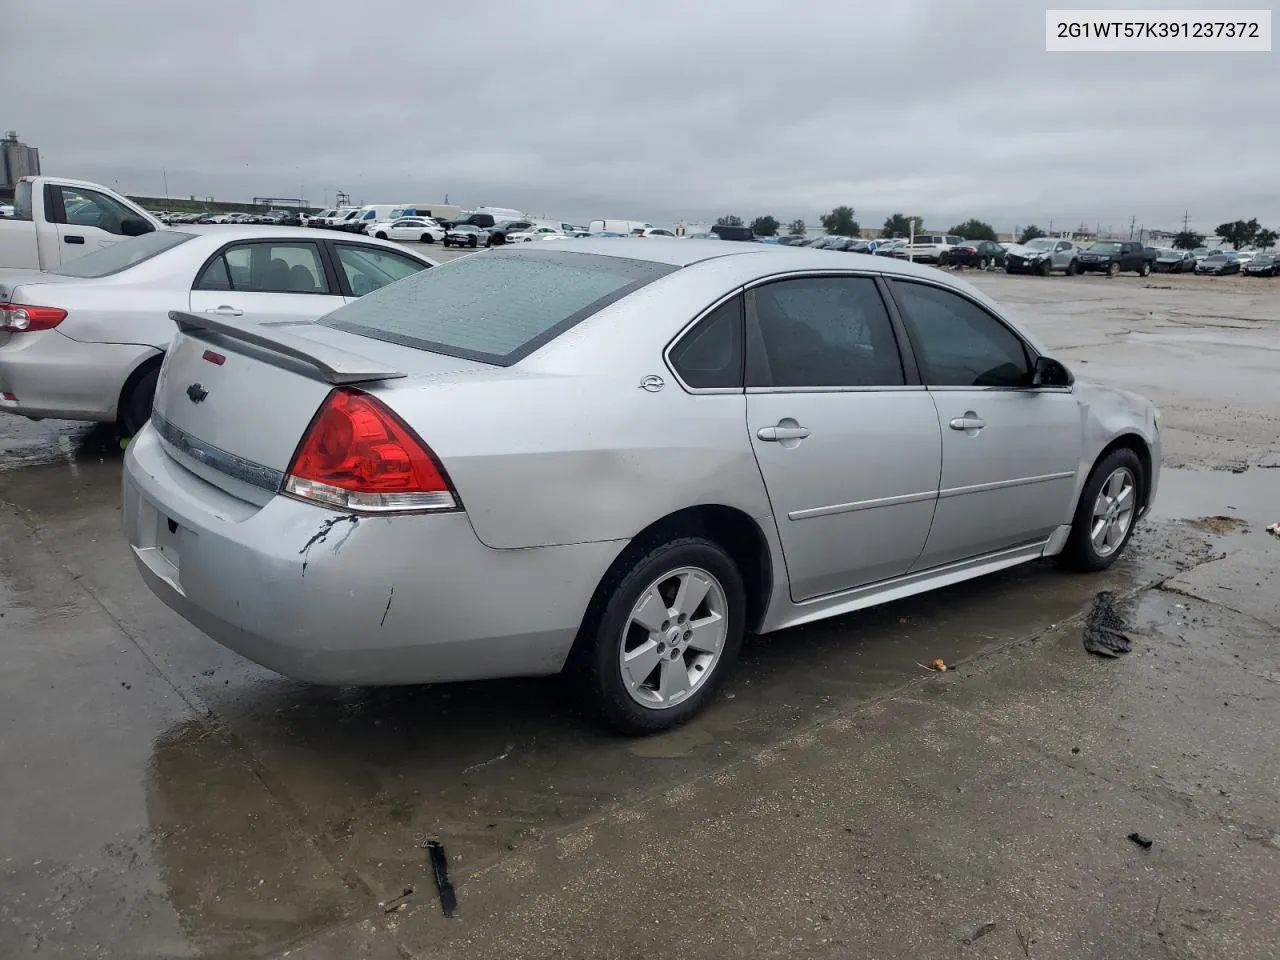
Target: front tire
x,y
380,235
668,630
1113,269
1106,514
473,242
1145,269
427,238
1046,268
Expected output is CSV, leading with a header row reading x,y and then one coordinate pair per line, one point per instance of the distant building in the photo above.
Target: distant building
x,y
17,160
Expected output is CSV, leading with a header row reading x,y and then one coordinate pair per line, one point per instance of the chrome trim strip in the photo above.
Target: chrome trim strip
x,y
862,505
1003,484
238,468
894,389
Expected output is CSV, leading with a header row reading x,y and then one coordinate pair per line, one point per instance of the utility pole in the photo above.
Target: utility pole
x,y
1186,218
1051,226
165,173
1132,222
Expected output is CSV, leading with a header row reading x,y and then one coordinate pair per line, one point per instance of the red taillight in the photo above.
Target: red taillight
x,y
358,455
24,318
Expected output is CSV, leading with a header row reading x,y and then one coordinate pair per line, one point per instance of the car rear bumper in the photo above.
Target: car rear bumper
x,y
331,598
56,377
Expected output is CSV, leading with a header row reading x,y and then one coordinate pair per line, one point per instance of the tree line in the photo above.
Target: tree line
x,y
842,221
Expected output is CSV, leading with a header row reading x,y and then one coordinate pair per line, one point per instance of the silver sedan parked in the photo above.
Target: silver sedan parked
x,y
617,459
85,342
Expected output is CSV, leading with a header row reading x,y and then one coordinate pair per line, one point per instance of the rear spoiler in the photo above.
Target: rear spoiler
x,y
337,365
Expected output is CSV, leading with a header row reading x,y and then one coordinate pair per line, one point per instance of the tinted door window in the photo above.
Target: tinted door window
x,y
89,208
710,355
367,268
267,268
823,332
958,343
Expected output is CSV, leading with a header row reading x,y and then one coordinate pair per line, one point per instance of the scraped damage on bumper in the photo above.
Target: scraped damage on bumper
x,y
336,598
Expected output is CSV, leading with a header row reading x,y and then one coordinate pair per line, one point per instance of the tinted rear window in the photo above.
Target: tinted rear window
x,y
123,254
495,307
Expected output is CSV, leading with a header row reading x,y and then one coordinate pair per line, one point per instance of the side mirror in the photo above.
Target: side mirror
x,y
135,227
1051,373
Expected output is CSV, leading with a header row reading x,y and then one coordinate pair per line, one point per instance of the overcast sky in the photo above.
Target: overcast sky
x,y
644,109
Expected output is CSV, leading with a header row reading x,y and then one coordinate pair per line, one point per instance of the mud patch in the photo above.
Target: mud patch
x,y
1218,524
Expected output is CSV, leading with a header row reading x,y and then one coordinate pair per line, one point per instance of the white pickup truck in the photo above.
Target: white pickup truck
x,y
56,220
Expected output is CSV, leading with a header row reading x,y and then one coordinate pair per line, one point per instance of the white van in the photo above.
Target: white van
x,y
624,227
501,213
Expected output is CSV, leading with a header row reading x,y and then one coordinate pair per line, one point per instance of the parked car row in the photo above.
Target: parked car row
x,y
279,218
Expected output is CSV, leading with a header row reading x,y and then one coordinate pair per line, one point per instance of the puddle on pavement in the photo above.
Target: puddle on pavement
x,y
28,443
1203,495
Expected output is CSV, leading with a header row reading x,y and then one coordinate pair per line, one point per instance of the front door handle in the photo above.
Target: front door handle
x,y
73,238
227,311
775,434
970,423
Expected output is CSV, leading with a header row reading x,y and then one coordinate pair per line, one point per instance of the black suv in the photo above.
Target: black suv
x,y
725,232
1112,256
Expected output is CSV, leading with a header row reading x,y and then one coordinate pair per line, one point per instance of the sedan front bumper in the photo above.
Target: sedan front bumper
x,y
333,598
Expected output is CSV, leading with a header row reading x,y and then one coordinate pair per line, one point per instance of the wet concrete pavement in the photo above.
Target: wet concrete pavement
x,y
164,798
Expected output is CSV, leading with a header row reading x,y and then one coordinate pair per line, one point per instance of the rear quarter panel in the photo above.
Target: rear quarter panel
x,y
565,447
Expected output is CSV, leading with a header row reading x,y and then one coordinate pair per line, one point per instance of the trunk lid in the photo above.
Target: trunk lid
x,y
234,397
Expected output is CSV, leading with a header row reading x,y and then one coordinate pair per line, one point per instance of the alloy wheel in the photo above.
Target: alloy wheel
x,y
673,637
1113,512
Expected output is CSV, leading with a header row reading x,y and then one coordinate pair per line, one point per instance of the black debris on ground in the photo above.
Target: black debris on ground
x,y
440,867
1104,628
1144,842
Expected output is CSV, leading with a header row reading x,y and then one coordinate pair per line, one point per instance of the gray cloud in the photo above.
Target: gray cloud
x,y
660,110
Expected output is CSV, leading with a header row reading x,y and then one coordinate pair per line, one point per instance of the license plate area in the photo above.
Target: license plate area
x,y
168,539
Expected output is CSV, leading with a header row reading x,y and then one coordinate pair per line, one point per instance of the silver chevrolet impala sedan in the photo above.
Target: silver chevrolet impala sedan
x,y
615,458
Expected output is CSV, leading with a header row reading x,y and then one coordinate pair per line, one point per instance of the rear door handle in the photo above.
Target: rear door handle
x,y
970,421
227,311
774,434
73,238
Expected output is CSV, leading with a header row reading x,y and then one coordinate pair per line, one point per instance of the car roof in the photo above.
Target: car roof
x,y
780,257
224,234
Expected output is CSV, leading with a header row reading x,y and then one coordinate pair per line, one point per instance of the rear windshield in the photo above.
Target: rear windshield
x,y
496,307
123,254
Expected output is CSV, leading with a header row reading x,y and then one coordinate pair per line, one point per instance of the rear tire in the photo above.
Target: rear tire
x,y
135,406
427,238
983,263
1073,268
689,673
1097,538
